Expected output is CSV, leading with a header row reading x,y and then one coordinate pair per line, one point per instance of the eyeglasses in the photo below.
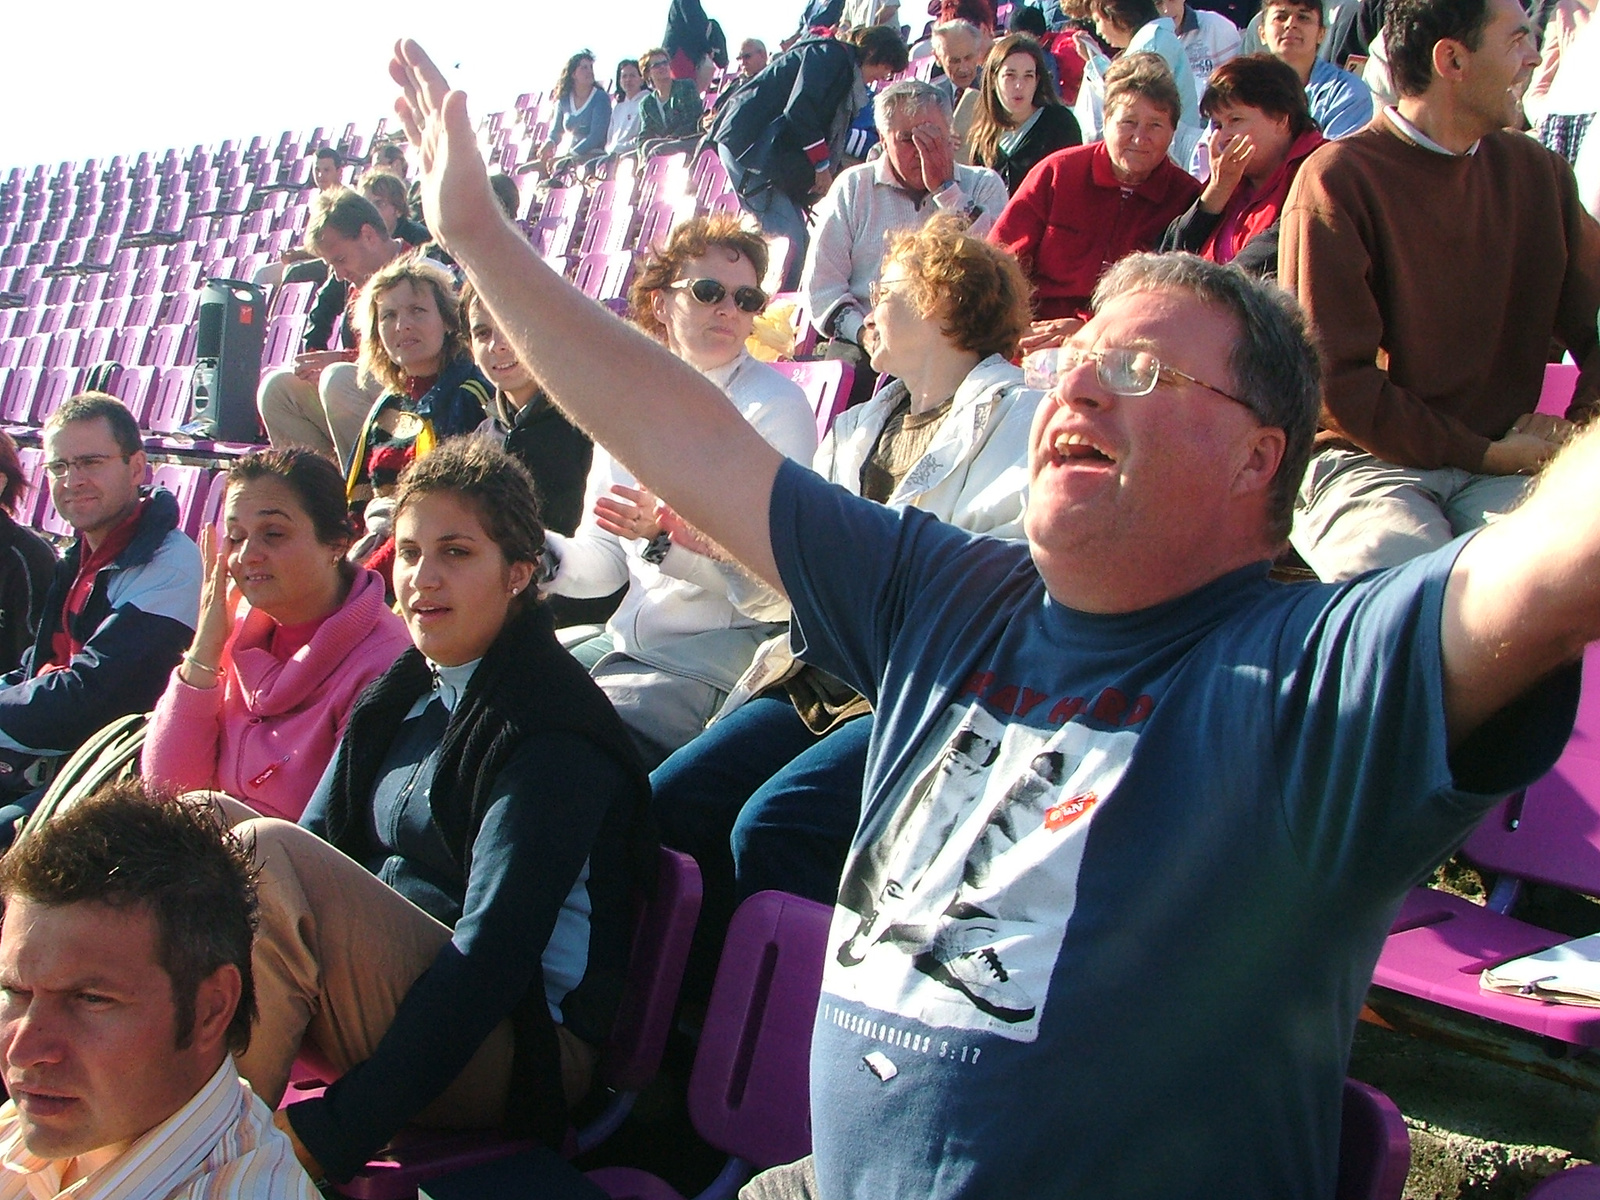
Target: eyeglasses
x,y
878,292
710,291
84,464
1120,371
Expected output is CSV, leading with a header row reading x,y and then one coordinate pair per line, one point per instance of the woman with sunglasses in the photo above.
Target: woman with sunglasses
x,y
782,772
678,642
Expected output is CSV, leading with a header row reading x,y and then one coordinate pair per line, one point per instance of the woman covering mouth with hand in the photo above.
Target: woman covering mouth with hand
x,y
259,702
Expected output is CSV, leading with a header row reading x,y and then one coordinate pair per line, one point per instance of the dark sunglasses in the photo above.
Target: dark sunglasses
x,y
710,291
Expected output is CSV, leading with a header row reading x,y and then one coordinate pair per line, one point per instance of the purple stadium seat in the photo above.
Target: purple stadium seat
x,y
606,229
1551,835
552,236
190,485
1575,1183
604,276
168,402
1559,380
749,1091
292,299
1374,1146
561,202
827,386
55,385
63,350
628,1061
31,459
135,387
16,398
656,224
161,347
282,341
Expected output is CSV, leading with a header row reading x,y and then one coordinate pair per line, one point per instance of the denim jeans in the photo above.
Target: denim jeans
x,y
761,803
777,214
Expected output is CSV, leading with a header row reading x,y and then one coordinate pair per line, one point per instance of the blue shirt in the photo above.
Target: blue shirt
x,y
1120,879
1340,102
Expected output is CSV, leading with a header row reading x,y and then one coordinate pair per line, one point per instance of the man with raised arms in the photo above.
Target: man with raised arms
x,y
1171,946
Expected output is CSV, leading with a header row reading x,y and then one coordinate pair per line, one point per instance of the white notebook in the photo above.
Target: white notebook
x,y
1566,974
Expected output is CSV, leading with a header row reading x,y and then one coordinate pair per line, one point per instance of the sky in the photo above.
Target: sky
x,y
116,79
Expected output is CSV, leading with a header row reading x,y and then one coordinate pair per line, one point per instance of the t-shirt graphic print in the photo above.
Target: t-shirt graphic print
x,y
954,911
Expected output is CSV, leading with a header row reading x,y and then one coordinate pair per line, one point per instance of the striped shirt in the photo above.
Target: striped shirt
x,y
221,1145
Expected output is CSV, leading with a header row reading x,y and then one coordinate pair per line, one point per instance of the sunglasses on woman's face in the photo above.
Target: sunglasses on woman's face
x,y
710,291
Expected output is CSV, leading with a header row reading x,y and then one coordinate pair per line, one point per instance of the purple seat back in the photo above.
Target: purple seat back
x,y
655,969
1575,1183
1374,1146
1551,833
189,484
749,1093
826,384
1559,381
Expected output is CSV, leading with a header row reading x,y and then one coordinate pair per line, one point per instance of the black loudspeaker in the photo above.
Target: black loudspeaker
x,y
227,348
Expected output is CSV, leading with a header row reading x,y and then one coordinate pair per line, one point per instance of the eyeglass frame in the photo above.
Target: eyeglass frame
x,y
680,285
84,464
1098,358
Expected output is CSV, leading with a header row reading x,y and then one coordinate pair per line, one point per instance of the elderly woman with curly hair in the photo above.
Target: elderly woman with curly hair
x,y
677,643
783,771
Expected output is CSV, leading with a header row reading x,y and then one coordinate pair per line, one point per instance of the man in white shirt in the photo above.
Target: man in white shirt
x,y
125,990
915,177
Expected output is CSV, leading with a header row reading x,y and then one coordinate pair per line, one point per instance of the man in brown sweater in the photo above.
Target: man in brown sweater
x,y
1436,254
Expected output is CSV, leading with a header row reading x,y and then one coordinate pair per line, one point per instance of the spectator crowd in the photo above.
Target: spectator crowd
x,y
1130,305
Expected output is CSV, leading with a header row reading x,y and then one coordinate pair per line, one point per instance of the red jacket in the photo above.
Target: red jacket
x,y
1250,213
1071,219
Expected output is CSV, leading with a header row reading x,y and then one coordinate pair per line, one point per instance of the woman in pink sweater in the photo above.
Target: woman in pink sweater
x,y
259,702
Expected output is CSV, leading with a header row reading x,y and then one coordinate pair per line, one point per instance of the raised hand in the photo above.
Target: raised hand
x,y
936,154
200,666
1229,158
1042,335
455,184
628,513
686,535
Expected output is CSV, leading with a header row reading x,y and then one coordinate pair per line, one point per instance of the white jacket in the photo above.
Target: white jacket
x,y
679,616
973,475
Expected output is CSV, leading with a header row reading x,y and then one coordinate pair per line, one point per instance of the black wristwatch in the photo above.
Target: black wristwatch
x,y
655,553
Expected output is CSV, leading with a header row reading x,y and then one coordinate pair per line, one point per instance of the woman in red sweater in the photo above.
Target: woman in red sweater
x,y
1082,209
1261,131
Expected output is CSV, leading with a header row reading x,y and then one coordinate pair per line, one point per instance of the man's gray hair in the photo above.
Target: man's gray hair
x,y
906,96
958,25
1275,363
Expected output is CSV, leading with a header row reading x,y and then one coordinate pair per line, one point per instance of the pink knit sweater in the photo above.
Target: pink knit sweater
x,y
267,731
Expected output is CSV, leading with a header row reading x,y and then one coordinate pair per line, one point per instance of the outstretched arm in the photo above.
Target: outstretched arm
x,y
1524,596
694,451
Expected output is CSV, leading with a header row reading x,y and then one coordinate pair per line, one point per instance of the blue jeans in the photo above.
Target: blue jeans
x,y
777,214
761,802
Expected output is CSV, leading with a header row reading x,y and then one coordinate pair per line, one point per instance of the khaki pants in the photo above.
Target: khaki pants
x,y
326,417
1356,512
792,1181
335,954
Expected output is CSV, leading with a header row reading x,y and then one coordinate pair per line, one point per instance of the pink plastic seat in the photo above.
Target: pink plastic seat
x,y
1559,381
1551,834
190,485
827,386
1575,1183
749,1090
604,276
628,1061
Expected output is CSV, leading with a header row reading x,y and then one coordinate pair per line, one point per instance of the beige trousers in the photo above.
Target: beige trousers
x,y
336,952
326,417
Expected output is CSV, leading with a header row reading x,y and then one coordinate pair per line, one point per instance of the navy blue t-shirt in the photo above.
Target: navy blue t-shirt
x,y
1120,880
